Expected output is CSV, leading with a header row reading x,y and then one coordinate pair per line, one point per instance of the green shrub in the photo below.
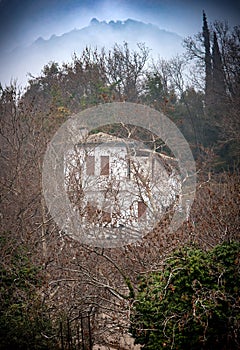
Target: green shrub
x,y
24,323
192,303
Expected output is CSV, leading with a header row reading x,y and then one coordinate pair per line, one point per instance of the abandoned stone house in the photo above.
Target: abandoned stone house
x,y
116,182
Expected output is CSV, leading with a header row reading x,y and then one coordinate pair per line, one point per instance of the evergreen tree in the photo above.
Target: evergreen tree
x,y
192,302
219,91
208,61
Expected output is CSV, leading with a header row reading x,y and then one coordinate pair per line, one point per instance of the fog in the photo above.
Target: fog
x,y
32,58
22,23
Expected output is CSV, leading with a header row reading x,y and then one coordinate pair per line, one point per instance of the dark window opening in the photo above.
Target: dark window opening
x,y
104,165
141,210
90,165
128,167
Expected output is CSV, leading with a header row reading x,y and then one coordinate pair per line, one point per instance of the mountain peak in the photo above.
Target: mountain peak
x,y
128,24
94,21
100,34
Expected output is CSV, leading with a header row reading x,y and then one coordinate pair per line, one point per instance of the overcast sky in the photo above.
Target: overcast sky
x,y
22,21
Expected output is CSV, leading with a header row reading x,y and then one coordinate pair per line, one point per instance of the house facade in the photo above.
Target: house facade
x,y
119,183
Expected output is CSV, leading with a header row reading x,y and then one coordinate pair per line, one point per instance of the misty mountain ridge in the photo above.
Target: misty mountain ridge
x,y
130,29
97,34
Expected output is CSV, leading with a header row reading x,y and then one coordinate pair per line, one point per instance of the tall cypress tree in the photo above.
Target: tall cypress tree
x,y
208,62
219,90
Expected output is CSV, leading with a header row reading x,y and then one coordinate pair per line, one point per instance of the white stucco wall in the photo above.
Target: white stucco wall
x,y
132,179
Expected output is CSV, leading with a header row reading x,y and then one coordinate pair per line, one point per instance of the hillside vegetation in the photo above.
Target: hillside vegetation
x,y
57,293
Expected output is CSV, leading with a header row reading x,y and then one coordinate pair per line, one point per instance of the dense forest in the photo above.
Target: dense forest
x,y
57,293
